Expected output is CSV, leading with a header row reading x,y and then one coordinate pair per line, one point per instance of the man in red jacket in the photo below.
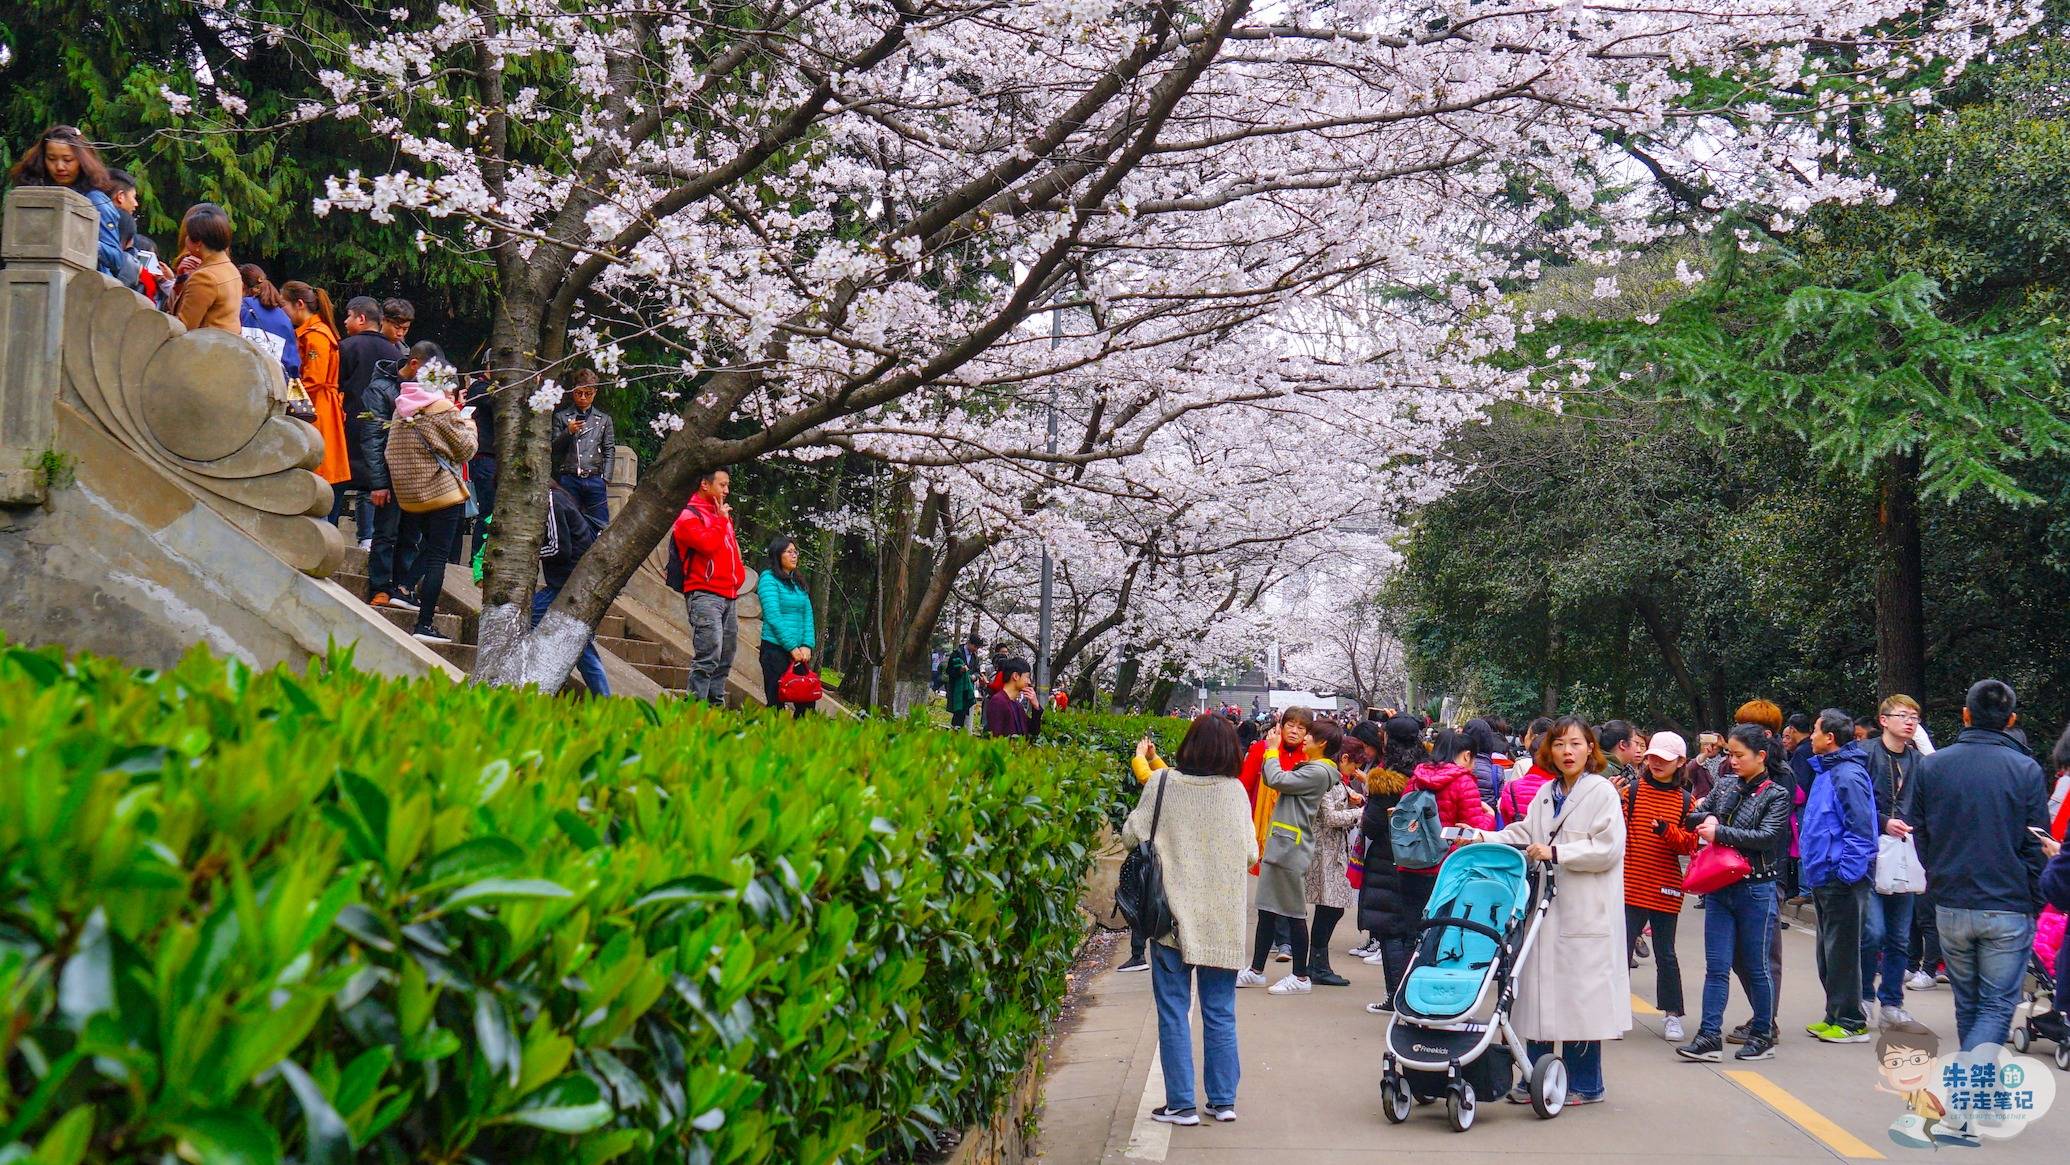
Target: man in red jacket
x,y
708,555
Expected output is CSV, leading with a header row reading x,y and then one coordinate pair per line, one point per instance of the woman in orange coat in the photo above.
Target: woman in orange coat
x,y
310,309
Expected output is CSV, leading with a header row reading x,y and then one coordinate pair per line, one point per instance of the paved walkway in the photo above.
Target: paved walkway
x,y
1311,1066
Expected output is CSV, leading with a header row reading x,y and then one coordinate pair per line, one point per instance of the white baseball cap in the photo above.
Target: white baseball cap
x,y
1668,746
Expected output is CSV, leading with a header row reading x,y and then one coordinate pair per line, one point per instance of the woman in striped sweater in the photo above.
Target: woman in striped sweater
x,y
1656,807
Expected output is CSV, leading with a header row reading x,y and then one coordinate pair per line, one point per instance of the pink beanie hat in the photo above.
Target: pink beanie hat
x,y
415,398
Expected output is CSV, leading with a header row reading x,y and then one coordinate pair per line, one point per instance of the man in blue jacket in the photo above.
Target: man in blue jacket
x,y
1972,808
1838,844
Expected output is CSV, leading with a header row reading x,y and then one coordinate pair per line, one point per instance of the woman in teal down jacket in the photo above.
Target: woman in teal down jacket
x,y
786,618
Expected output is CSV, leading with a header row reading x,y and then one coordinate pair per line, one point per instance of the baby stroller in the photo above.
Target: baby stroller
x,y
1451,1036
2037,1022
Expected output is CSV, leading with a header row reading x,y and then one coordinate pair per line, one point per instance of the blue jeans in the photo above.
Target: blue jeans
x,y
1584,1064
1171,981
1886,942
1987,953
590,494
590,666
1738,922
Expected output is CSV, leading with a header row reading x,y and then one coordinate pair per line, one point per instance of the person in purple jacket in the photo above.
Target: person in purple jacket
x,y
1013,710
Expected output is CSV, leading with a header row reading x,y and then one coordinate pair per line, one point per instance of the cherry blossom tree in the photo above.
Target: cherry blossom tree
x,y
807,223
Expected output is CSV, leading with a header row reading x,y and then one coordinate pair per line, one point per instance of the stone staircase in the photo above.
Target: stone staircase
x,y
459,610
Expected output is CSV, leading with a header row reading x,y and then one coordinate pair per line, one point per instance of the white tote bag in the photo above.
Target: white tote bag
x,y
1897,866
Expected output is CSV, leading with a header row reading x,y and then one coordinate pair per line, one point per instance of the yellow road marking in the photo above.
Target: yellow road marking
x,y
1641,1007
1804,1116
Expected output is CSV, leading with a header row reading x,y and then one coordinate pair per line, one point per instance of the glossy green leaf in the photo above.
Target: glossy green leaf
x,y
474,858
505,889
228,1137
571,1104
66,1142
326,1140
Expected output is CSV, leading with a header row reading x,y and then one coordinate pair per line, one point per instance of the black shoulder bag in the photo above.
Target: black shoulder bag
x,y
1139,892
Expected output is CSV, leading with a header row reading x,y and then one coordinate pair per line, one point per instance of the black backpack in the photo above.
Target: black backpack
x,y
674,571
1139,892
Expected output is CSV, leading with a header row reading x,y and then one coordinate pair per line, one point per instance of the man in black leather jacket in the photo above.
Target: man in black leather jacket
x,y
1892,760
1749,810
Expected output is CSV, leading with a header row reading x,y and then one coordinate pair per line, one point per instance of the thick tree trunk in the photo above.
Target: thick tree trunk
x,y
823,562
1083,691
1555,646
1718,720
507,654
1161,695
1125,677
895,565
1670,651
941,583
1899,586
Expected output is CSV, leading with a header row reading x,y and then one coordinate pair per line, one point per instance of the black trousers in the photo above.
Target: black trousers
x,y
434,532
776,661
1840,908
381,563
1926,937
1667,968
1325,925
1297,937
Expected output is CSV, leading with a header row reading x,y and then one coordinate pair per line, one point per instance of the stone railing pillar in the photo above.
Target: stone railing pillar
x,y
202,406
625,474
48,237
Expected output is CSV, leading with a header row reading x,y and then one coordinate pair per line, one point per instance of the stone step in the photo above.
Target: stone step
x,y
673,678
633,651
452,625
447,604
460,655
612,627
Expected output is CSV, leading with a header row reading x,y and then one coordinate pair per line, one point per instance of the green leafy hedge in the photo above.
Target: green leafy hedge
x,y
251,918
1113,738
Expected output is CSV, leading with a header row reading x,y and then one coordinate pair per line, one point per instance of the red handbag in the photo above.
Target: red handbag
x,y
799,685
1713,868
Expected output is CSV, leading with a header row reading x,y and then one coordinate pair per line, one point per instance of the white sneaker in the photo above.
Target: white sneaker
x,y
1362,950
1897,1017
1672,1029
366,544
1291,985
1919,981
1376,959
1249,978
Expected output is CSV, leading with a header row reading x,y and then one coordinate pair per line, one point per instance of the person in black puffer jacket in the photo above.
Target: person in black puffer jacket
x,y
1749,810
1388,907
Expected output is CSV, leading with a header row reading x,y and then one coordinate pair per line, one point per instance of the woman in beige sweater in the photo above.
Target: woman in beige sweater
x,y
428,449
1205,847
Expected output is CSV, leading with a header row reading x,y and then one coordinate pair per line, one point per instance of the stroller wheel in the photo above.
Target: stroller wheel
x,y
2021,1037
1548,1086
2063,1056
1459,1106
1395,1101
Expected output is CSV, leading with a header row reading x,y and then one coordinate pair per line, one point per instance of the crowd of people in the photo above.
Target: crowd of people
x,y
1921,867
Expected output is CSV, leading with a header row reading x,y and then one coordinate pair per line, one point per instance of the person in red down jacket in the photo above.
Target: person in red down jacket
x,y
707,556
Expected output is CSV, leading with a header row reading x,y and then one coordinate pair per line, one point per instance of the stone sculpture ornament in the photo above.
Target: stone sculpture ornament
x,y
204,406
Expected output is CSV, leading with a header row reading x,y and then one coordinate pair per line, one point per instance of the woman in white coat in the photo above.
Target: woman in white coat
x,y
1576,988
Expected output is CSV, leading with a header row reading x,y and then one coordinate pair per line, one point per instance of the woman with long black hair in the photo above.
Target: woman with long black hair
x,y
1386,907
787,635
1749,810
61,156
